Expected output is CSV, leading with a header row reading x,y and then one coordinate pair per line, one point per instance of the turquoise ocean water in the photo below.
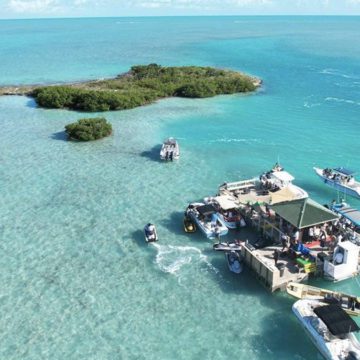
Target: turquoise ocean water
x,y
77,279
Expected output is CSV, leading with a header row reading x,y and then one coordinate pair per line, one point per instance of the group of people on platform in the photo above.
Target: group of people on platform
x,y
295,241
266,182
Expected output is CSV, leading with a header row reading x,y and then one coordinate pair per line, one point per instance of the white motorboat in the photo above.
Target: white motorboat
x,y
234,261
271,187
340,179
207,219
150,233
228,211
170,150
330,328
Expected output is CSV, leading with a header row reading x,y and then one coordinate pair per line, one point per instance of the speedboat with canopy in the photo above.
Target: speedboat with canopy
x,y
341,179
207,219
170,150
228,211
330,328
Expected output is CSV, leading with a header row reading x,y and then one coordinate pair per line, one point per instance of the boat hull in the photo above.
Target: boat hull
x,y
349,303
206,227
327,331
209,231
336,185
227,247
150,237
165,158
170,150
234,261
314,337
189,225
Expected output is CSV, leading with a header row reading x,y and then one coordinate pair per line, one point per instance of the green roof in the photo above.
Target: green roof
x,y
303,213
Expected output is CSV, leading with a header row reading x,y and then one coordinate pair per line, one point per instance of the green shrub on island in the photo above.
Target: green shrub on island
x,y
88,129
142,85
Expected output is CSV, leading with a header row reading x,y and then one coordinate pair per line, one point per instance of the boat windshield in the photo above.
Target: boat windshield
x,y
319,326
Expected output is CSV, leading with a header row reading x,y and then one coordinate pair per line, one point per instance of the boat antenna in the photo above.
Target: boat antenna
x,y
357,281
341,196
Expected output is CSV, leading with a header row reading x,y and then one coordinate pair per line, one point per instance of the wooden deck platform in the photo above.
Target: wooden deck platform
x,y
262,262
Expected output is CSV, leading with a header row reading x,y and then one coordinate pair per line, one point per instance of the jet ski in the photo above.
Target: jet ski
x,y
189,225
225,246
234,261
150,233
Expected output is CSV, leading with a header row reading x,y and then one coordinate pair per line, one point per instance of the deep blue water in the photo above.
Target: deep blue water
x,y
77,279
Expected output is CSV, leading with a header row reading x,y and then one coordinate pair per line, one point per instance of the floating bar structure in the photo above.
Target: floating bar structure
x,y
329,258
292,237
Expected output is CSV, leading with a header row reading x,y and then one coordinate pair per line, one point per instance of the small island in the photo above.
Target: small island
x,y
88,129
142,85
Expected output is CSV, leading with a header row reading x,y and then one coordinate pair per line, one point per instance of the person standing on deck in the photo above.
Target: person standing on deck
x,y
276,256
284,242
295,235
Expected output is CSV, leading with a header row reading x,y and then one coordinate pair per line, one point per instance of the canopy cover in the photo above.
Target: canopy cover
x,y
226,202
170,141
282,176
336,319
206,209
344,171
350,213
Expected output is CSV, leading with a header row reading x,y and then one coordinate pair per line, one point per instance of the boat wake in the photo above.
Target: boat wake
x,y
310,105
231,140
347,101
336,72
171,259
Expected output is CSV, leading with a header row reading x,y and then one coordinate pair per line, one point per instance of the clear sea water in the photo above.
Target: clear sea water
x,y
77,279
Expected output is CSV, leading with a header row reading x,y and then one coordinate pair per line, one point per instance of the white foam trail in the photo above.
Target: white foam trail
x,y
347,101
127,22
171,259
227,140
309,105
336,72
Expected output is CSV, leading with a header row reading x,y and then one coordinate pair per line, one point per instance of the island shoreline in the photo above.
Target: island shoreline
x,y
26,90
141,85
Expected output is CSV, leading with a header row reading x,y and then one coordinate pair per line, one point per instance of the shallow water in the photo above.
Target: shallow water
x,y
78,280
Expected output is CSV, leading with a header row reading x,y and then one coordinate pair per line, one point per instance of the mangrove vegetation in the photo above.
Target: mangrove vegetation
x,y
88,129
143,85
